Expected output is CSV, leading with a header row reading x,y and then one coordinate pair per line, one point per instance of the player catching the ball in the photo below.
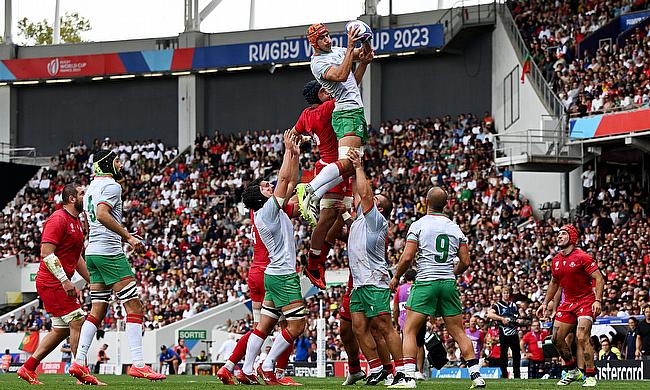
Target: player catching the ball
x,y
573,271
332,68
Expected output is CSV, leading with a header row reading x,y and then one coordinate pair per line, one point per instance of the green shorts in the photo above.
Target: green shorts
x,y
438,298
108,269
350,122
370,300
282,290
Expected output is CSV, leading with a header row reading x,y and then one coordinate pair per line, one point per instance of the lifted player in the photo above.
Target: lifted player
x,y
573,270
332,68
108,266
61,245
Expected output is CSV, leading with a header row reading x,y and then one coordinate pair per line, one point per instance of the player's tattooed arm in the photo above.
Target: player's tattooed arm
x,y
553,286
341,72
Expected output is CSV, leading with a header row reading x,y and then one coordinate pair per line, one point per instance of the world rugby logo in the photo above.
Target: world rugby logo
x,y
53,67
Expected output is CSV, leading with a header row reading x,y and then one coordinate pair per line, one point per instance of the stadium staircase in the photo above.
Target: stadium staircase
x,y
547,148
462,22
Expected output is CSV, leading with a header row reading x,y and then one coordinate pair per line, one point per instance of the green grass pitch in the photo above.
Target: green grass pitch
x,y
11,381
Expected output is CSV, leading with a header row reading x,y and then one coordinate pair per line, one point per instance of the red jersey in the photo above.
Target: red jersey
x,y
65,232
533,342
317,122
573,272
260,254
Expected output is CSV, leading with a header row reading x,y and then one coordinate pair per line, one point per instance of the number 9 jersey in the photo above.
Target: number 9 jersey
x,y
438,239
101,240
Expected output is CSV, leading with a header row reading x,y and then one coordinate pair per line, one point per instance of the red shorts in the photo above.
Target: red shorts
x,y
56,301
344,188
570,312
256,284
344,311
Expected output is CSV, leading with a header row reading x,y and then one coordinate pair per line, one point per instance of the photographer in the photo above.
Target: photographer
x,y
506,313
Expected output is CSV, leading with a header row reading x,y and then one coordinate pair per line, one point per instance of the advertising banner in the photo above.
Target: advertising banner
x,y
393,40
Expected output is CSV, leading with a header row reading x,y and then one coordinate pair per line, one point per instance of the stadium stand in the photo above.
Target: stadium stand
x,y
611,78
195,261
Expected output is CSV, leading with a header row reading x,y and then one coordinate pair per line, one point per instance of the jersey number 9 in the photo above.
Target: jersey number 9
x,y
442,246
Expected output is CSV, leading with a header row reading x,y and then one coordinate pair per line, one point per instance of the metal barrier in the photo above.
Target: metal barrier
x,y
542,87
462,15
14,154
549,145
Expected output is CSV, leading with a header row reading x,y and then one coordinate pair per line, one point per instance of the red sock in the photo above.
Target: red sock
x,y
32,363
570,365
354,366
388,367
312,260
375,365
590,372
240,349
322,259
283,359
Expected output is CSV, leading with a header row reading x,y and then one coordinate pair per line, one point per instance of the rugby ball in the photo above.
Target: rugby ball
x,y
364,30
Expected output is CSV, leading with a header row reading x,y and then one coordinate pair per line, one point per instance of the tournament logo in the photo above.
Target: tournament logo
x,y
53,67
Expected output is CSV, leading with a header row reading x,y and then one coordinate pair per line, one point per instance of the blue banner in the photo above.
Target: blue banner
x,y
298,49
631,20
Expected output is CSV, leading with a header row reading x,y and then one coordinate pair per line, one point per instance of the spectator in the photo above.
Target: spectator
x,y
302,348
6,361
102,358
629,346
531,346
169,358
607,352
66,351
202,358
643,335
587,181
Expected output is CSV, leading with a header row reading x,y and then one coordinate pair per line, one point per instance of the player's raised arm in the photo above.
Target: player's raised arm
x,y
289,169
363,189
365,58
341,72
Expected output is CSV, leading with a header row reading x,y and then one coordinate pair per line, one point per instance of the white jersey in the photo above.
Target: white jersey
x,y
101,240
438,239
276,231
346,93
367,249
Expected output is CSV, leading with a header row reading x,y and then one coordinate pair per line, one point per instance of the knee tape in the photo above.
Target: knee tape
x,y
129,292
65,320
347,201
343,151
329,203
257,314
102,296
271,312
297,313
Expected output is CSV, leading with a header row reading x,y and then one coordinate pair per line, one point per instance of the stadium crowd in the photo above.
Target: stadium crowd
x,y
197,233
612,78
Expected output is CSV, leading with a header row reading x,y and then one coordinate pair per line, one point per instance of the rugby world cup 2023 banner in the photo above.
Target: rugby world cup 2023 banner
x,y
394,40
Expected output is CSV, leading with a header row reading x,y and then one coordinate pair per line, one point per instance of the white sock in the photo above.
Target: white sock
x,y
88,330
252,349
134,334
328,186
409,369
230,366
281,343
329,173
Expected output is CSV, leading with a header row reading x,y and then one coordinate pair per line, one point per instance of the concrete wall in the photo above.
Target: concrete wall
x,y
504,60
9,278
541,187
